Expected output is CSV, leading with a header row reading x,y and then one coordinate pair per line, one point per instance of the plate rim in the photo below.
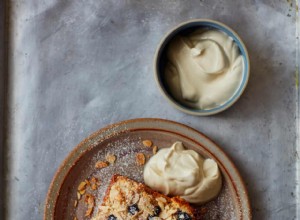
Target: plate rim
x,y
49,209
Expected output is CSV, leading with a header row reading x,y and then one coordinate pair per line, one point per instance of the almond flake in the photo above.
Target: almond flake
x,y
140,159
101,164
89,212
111,158
154,150
82,192
81,186
147,143
78,195
91,202
75,203
161,199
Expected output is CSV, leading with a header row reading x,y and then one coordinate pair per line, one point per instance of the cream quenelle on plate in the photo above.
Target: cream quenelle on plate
x,y
204,68
176,171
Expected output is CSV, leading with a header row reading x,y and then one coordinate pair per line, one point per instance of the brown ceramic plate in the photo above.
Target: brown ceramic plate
x,y
124,140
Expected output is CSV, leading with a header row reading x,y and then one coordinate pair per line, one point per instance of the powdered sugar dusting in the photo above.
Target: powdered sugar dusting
x,y
125,147
221,208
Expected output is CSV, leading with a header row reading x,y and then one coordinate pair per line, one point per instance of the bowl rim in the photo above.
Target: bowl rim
x,y
177,104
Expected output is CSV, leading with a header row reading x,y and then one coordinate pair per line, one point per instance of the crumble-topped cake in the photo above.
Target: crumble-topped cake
x,y
127,199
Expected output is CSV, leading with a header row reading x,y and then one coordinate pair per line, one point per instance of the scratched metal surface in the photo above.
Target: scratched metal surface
x,y
3,73
76,66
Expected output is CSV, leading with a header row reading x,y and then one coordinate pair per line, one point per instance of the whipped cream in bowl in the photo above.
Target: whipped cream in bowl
x,y
202,67
176,171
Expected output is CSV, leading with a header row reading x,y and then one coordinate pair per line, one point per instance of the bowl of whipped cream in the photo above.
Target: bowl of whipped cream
x,y
202,67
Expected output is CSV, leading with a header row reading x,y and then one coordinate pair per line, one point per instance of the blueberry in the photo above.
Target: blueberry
x,y
157,210
112,217
133,209
183,216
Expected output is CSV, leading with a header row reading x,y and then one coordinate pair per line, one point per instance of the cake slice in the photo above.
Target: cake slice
x,y
127,199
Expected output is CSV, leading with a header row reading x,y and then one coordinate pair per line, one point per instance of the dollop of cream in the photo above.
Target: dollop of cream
x,y
178,172
204,68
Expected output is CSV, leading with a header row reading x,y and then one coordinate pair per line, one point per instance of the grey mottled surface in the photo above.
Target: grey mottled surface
x,y
3,81
76,66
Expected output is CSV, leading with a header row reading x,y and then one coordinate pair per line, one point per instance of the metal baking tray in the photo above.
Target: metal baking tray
x,y
73,67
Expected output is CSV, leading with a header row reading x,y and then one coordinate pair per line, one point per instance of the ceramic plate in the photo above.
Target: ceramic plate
x,y
124,140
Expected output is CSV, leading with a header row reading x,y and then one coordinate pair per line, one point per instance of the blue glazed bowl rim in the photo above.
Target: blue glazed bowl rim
x,y
202,23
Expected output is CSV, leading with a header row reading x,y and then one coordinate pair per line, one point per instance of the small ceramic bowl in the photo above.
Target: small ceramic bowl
x,y
160,62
